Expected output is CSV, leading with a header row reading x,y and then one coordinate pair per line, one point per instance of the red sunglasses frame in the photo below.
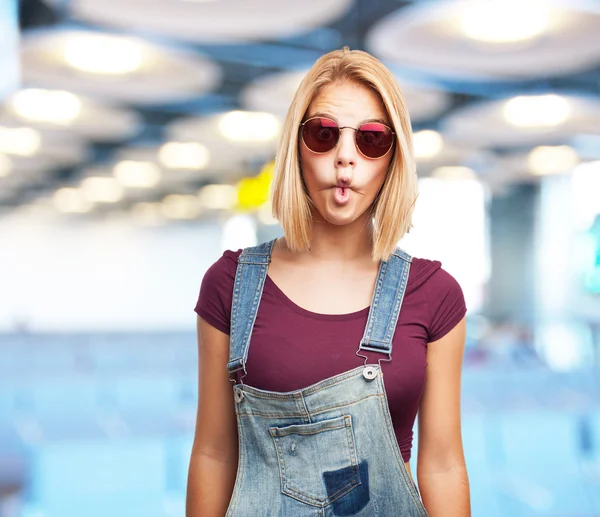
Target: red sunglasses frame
x,y
355,129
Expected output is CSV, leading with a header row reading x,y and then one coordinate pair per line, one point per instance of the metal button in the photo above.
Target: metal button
x,y
370,372
238,395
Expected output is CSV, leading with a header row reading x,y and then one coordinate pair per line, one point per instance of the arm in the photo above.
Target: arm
x,y
213,462
441,469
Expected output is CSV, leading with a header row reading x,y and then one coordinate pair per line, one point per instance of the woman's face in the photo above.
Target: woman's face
x,y
343,183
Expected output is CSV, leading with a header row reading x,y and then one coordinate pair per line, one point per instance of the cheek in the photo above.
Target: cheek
x,y
378,175
311,169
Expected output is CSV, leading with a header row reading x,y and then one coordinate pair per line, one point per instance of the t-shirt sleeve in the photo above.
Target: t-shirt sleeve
x,y
446,304
216,292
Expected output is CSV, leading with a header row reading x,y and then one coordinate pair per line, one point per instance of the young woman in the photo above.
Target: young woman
x,y
307,328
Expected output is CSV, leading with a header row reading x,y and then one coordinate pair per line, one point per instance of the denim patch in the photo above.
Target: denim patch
x,y
355,500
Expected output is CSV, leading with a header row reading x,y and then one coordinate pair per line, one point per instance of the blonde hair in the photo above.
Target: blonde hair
x,y
393,207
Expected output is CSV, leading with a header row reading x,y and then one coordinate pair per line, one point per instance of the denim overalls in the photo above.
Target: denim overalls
x,y
328,449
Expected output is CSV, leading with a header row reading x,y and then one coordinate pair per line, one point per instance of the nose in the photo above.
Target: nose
x,y
345,155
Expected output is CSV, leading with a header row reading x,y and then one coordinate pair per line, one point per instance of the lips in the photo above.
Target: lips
x,y
341,195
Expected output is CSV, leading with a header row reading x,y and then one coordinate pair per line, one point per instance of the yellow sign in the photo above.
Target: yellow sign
x,y
254,192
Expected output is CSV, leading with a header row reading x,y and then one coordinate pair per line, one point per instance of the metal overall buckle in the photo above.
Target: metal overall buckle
x,y
370,371
238,393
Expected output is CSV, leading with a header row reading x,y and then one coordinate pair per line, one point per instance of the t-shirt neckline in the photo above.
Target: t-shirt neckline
x,y
315,315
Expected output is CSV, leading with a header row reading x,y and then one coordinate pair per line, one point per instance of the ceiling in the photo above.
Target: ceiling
x,y
106,86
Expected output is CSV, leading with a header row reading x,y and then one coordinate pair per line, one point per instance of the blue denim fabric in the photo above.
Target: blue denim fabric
x,y
328,449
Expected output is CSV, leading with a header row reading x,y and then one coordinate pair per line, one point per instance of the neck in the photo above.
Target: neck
x,y
351,242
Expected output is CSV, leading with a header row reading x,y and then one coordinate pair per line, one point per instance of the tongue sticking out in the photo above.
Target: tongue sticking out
x,y
341,195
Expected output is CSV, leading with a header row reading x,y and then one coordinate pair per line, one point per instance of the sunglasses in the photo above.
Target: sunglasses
x,y
321,135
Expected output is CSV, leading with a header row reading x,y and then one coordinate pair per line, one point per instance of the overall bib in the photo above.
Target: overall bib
x,y
328,449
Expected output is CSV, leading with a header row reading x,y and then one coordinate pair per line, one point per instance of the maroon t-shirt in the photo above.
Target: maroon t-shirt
x,y
292,348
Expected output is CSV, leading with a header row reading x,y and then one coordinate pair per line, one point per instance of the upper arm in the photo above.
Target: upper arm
x,y
440,441
216,424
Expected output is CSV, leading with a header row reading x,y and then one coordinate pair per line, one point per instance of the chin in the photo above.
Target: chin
x,y
340,217
339,221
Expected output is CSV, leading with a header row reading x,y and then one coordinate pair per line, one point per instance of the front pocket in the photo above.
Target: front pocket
x,y
317,461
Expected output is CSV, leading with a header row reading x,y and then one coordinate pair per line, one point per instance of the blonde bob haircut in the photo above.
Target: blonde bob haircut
x,y
393,207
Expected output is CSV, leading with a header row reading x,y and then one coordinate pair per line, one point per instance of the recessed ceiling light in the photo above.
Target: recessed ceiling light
x,y
508,21
218,197
537,110
58,106
427,143
22,141
130,173
552,159
71,200
184,155
181,206
102,189
102,54
249,126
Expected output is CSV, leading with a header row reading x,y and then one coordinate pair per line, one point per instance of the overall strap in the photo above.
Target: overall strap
x,y
247,291
386,303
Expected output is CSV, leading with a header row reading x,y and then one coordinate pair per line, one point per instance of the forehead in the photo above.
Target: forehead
x,y
348,102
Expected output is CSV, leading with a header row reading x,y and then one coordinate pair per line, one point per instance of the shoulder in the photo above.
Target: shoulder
x,y
216,291
441,292
431,276
223,268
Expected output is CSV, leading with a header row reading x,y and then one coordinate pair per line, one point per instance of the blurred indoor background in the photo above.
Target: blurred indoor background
x,y
136,144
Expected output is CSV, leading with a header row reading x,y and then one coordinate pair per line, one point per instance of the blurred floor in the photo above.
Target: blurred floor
x,y
102,424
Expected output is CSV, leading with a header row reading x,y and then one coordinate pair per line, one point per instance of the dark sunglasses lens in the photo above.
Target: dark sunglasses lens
x,y
374,139
320,134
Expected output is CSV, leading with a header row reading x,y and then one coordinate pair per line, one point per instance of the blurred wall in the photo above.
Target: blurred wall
x,y
512,235
103,276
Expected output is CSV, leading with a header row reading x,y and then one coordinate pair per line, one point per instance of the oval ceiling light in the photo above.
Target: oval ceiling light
x,y
427,143
135,174
58,109
102,54
180,206
22,141
102,189
71,200
466,40
56,106
545,160
508,21
218,197
5,165
184,155
249,126
273,93
115,68
536,111
522,121
210,22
